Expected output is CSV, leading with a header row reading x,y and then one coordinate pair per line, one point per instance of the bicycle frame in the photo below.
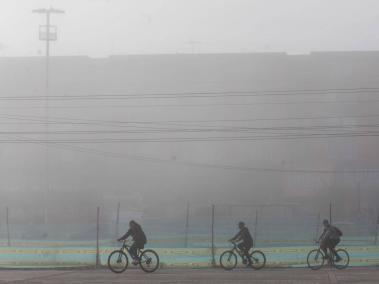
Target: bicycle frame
x,y
237,250
145,258
126,247
330,253
339,258
252,258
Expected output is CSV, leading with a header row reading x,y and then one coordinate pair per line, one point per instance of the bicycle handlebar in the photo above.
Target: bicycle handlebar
x,y
233,243
125,243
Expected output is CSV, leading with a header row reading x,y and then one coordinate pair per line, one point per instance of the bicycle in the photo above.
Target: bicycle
x,y
228,259
118,260
316,258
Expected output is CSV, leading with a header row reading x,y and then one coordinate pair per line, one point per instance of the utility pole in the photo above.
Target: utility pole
x,y
47,33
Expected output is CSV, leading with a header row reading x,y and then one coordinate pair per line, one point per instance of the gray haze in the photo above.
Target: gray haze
x,y
144,101
156,104
105,27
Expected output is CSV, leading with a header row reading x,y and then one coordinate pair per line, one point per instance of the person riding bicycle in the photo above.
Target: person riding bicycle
x,y
139,239
329,239
246,238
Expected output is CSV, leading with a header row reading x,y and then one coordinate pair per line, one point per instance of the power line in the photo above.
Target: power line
x,y
196,139
204,128
201,94
203,165
74,120
113,106
201,130
184,125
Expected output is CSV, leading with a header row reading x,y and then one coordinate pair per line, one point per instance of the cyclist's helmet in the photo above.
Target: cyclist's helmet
x,y
325,222
241,224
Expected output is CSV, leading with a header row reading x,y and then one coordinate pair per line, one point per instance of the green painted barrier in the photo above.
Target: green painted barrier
x,y
42,257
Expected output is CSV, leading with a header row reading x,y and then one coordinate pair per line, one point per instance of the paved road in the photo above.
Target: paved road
x,y
192,276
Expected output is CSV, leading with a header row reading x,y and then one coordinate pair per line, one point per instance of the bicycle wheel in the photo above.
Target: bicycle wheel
x,y
343,261
315,259
258,259
228,260
118,261
149,261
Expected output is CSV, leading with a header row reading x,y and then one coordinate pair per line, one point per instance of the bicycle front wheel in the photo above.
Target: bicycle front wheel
x,y
149,261
118,261
228,260
315,259
343,260
258,259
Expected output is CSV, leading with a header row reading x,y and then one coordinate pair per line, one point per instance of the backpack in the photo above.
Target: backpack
x,y
339,233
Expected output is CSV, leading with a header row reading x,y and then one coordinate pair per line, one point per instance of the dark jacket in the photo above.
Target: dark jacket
x,y
244,235
137,234
331,233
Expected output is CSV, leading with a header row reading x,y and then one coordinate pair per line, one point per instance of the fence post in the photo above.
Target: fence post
x,y
212,236
317,225
97,237
7,222
117,220
187,227
256,226
377,228
330,212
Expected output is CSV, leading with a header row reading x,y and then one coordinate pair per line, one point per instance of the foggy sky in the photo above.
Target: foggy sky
x,y
143,172
102,27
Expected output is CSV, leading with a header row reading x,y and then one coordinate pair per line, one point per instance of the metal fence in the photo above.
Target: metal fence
x,y
200,230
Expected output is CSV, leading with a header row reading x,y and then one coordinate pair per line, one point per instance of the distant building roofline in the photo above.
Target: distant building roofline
x,y
261,54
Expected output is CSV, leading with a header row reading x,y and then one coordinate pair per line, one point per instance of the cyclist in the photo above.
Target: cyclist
x,y
247,241
139,239
329,239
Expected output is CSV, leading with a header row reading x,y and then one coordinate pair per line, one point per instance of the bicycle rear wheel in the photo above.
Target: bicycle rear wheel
x,y
228,260
258,259
315,259
149,261
118,261
343,261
